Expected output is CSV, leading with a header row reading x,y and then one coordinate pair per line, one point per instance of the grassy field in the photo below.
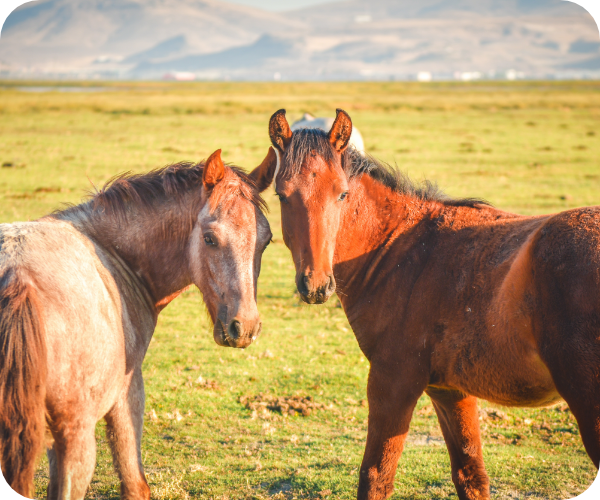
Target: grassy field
x,y
527,147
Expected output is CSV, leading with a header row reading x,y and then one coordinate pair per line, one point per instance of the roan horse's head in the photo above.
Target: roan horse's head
x,y
226,248
311,184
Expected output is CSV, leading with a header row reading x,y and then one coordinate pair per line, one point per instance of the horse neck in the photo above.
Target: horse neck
x,y
374,218
148,243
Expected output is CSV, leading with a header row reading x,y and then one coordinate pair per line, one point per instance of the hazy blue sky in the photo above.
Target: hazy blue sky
x,y
278,5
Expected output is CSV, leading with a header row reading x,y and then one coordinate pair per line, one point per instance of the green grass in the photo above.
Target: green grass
x,y
526,147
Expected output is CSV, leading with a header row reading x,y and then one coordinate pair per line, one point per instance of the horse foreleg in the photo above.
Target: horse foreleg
x,y
392,398
124,431
458,417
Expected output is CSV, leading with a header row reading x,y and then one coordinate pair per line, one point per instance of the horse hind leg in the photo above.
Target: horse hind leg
x,y
52,493
459,420
73,458
576,374
124,431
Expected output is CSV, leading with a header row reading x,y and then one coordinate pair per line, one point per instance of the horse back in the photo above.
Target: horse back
x,y
87,317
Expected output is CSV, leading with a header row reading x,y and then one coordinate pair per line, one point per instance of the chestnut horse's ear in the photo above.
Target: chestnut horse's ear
x,y
341,130
213,171
264,173
279,131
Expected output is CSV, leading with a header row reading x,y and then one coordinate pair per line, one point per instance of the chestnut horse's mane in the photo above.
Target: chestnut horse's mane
x,y
172,181
306,141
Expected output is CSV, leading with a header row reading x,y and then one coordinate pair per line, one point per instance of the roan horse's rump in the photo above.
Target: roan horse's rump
x,y
80,292
447,296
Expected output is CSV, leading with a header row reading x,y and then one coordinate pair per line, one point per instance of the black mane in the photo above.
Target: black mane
x,y
306,141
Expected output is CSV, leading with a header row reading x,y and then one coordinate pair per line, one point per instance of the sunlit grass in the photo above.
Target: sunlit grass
x,y
527,147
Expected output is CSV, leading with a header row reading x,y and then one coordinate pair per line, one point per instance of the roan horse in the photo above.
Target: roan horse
x,y
447,296
80,293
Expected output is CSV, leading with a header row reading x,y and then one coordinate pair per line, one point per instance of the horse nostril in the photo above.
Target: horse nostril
x,y
331,285
303,285
235,329
257,330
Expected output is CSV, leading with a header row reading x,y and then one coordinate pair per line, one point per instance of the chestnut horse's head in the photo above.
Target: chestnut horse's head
x,y
228,240
310,181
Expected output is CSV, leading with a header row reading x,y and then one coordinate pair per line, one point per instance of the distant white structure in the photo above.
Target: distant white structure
x,y
424,76
180,76
309,121
467,76
512,74
108,59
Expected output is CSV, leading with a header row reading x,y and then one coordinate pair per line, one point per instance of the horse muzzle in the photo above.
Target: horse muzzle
x,y
315,293
238,333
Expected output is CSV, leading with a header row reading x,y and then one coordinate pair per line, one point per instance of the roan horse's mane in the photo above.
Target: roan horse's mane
x,y
306,141
172,181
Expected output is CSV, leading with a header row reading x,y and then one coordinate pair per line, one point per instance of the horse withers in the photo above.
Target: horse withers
x,y
80,293
445,296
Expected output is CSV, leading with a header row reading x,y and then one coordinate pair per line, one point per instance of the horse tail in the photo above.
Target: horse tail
x,y
22,382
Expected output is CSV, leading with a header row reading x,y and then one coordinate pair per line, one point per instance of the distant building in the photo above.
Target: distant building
x,y
362,18
181,76
512,74
467,76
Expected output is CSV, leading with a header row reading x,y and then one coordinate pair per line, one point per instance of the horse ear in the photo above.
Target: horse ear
x,y
213,171
341,130
279,131
264,173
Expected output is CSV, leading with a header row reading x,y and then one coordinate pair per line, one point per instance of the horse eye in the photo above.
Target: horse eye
x,y
281,197
343,196
209,241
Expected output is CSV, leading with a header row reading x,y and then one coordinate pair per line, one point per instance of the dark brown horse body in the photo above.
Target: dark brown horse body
x,y
451,297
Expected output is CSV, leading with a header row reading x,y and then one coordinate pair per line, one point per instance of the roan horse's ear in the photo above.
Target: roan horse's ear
x,y
279,131
341,130
213,171
263,174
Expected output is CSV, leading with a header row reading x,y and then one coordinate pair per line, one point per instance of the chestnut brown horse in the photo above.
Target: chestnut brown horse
x,y
449,297
80,293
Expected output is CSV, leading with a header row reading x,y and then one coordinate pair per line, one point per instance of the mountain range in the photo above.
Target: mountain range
x,y
353,39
